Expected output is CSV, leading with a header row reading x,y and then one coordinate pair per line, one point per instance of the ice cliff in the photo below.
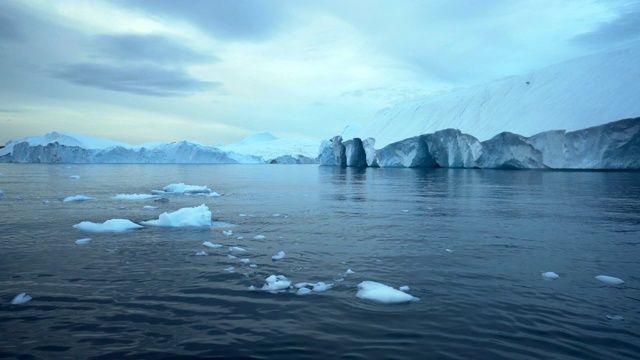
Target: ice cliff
x,y
615,145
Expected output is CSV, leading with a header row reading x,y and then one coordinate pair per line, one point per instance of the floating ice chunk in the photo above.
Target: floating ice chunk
x,y
202,253
192,216
404,288
149,207
276,282
158,192
259,237
610,280
252,287
245,261
240,238
77,198
181,188
448,250
211,245
237,249
615,317
320,286
214,194
279,256
133,196
550,275
1,192
230,269
75,177
83,241
113,225
349,272
227,232
276,215
303,291
21,299
405,211
242,215
253,265
374,291
231,257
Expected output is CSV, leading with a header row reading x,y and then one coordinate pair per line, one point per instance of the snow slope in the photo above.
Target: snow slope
x,y
572,95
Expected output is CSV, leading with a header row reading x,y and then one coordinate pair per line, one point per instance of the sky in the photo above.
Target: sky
x,y
217,71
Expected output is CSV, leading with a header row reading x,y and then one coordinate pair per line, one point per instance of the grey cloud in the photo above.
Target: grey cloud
x,y
9,30
140,80
232,19
149,48
624,28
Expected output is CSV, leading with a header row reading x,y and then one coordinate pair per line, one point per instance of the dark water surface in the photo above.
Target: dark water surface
x,y
144,293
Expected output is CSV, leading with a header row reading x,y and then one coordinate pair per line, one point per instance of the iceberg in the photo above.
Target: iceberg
x,y
374,291
113,225
192,216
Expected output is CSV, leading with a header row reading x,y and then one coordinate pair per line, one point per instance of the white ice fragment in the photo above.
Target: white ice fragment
x,y
21,299
83,241
231,257
615,317
133,196
149,207
242,215
158,192
405,211
236,249
374,291
276,282
303,291
550,275
214,194
211,245
202,253
279,256
230,269
181,188
75,177
252,287
259,237
448,250
404,288
320,286
253,265
227,232
77,198
113,225
191,216
349,272
240,238
610,280
276,215
245,261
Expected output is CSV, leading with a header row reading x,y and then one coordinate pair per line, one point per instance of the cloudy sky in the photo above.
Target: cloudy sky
x,y
216,71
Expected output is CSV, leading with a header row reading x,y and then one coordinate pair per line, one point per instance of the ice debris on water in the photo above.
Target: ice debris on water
x,y
304,291
182,188
259,237
245,261
276,283
113,225
133,196
149,207
253,265
610,280
211,245
404,288
191,216
349,272
240,238
236,249
375,291
77,198
202,253
21,299
231,257
74,177
448,250
550,275
230,269
279,256
615,317
252,287
83,241
227,232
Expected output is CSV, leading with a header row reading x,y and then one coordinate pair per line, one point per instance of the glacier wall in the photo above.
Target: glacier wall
x,y
614,145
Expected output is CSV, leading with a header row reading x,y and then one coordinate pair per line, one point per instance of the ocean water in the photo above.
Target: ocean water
x,y
471,244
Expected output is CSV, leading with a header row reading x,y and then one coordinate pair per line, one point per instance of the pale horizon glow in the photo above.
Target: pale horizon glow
x,y
217,71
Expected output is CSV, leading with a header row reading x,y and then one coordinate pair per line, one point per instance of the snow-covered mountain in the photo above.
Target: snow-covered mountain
x,y
576,94
59,147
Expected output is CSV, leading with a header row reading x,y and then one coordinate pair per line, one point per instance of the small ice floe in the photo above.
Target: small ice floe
x,y
306,287
448,250
231,257
212,245
1,192
191,216
320,286
43,201
349,272
240,238
245,261
374,291
77,198
182,188
83,241
237,249
162,200
149,207
615,317
74,177
252,287
158,192
133,196
214,194
276,283
21,299
279,256
227,232
113,225
253,266
550,275
276,215
230,269
303,291
404,288
242,215
201,253
610,280
259,237
405,211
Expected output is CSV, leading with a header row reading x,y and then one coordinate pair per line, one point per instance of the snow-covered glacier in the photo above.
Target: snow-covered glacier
x,y
614,145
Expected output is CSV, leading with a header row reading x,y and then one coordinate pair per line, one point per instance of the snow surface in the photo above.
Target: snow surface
x,y
21,299
610,280
133,196
77,198
374,291
191,216
572,95
113,225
